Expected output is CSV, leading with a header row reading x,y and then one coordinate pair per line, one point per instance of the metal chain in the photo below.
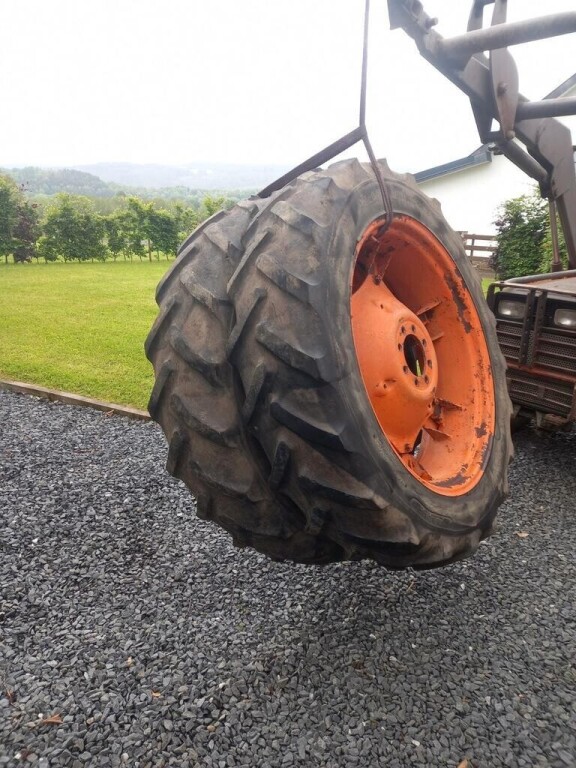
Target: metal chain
x,y
358,134
387,202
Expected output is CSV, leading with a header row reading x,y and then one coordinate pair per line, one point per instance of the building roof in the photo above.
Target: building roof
x,y
563,89
480,156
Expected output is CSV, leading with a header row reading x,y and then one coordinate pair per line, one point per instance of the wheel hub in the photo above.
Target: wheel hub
x,y
401,370
422,354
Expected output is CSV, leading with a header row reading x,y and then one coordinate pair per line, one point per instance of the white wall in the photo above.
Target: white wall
x,y
470,197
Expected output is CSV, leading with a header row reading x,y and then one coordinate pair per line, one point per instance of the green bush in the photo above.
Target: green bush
x,y
521,225
525,239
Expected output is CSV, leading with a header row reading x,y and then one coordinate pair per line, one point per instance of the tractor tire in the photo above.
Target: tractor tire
x,y
331,389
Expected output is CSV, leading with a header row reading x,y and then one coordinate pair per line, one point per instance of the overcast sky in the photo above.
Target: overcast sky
x,y
242,81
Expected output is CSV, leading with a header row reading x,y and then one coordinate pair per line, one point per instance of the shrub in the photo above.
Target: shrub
x,y
522,227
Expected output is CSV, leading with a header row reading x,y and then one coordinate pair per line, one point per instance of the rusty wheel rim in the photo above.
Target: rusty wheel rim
x,y
422,355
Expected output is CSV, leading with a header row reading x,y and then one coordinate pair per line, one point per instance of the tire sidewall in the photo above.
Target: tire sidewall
x,y
388,475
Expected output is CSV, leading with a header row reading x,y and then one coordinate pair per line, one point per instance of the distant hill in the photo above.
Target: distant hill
x,y
168,181
50,181
211,176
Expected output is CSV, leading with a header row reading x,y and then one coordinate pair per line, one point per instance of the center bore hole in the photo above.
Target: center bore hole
x,y
414,354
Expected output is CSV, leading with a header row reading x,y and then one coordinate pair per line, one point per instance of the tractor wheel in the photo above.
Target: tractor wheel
x,y
331,388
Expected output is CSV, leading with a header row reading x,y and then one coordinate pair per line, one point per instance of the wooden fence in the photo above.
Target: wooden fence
x,y
479,249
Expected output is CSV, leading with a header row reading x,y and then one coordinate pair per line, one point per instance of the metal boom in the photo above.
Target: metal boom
x,y
491,83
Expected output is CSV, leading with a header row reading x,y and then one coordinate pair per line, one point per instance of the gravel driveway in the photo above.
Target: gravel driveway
x,y
133,634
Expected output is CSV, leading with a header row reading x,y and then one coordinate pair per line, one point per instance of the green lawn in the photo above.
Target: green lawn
x,y
79,327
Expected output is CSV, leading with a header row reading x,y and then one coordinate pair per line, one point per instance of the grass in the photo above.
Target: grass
x,y
80,327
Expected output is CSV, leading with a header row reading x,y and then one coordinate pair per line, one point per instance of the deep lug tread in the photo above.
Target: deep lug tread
x,y
300,220
162,379
186,253
388,525
204,506
220,238
257,389
213,369
183,260
254,518
204,294
242,320
279,464
259,240
351,494
316,521
162,323
209,422
295,357
176,451
296,285
307,427
219,483
195,402
216,217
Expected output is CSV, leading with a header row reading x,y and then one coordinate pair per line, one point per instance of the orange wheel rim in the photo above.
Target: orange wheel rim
x,y
422,355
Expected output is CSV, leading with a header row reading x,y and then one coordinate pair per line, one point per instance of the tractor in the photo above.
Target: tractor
x,y
330,379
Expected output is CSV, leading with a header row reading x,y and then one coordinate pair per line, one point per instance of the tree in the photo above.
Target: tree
x,y
79,228
26,231
93,231
162,232
132,221
211,205
147,230
115,235
47,248
522,225
9,200
72,230
187,219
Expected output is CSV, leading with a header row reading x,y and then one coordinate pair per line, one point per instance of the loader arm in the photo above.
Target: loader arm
x,y
491,83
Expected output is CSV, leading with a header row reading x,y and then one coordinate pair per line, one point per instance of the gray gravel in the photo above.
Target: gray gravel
x,y
156,643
